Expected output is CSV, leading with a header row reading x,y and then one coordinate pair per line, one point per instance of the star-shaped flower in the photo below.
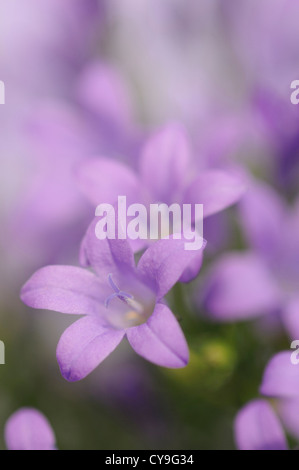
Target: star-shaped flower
x,y
118,299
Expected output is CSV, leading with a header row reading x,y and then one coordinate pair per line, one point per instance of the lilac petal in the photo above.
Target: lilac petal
x,y
281,377
102,180
258,428
60,134
240,286
160,340
193,268
290,317
108,256
102,90
165,261
28,429
65,289
218,230
263,214
291,242
84,345
164,164
216,190
288,410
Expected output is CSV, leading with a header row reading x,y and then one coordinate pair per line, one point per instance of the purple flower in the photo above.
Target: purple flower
x,y
257,425
28,429
258,428
52,41
52,211
281,124
281,377
166,174
281,382
117,300
264,279
97,119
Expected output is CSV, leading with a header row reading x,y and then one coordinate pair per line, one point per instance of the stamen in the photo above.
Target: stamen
x,y
112,283
111,297
123,296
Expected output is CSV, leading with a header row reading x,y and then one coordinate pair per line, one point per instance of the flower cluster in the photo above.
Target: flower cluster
x,y
120,299
171,106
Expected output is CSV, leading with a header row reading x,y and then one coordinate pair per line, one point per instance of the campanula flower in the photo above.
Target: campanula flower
x,y
280,383
53,43
166,174
117,300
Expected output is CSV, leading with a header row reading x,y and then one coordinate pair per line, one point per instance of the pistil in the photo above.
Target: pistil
x,y
125,297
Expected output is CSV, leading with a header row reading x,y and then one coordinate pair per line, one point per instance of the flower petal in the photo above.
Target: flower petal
x,y
281,377
165,261
102,90
65,289
258,428
288,412
61,135
108,256
262,215
193,268
216,190
164,164
290,317
160,340
28,429
240,286
84,345
102,180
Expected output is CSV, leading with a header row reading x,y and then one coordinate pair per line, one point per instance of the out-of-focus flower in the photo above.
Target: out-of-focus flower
x,y
269,56
45,47
243,285
258,428
281,383
166,175
225,138
280,121
99,117
118,300
29,429
281,378
52,212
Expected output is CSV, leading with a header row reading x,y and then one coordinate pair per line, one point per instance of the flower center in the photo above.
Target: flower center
x,y
128,299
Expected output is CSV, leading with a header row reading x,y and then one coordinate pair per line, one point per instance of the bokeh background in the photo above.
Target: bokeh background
x,y
222,69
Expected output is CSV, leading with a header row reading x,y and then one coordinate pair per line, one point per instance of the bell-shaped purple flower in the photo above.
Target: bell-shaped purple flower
x,y
118,299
